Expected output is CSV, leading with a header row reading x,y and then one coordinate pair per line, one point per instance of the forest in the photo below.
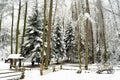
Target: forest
x,y
76,31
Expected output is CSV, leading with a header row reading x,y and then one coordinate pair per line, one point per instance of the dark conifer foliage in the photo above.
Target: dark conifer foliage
x,y
69,40
57,41
33,43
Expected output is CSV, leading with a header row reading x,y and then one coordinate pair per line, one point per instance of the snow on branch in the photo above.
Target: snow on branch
x,y
83,17
87,16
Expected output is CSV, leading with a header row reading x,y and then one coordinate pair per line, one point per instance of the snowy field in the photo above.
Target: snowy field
x,y
68,73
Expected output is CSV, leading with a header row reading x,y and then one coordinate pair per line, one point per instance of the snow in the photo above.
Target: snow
x,y
15,56
69,72
3,65
87,16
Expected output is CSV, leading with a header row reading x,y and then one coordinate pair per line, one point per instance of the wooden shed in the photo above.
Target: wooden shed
x,y
15,60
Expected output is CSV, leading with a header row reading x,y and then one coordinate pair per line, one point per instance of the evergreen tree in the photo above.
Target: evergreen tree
x,y
33,43
69,40
57,44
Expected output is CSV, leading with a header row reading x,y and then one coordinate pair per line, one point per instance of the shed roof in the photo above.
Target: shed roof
x,y
15,56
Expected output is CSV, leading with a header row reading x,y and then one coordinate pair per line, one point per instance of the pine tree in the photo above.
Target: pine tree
x,y
69,40
57,42
33,43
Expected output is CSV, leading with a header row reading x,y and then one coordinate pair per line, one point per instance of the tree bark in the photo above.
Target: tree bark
x,y
102,30
0,21
78,8
91,39
44,26
1,16
24,27
86,37
12,28
115,21
118,7
55,12
49,33
17,30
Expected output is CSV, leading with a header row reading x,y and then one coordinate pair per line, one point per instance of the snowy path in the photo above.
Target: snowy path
x,y
6,73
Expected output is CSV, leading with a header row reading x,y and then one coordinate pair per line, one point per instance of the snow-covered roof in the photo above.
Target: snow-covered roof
x,y
15,56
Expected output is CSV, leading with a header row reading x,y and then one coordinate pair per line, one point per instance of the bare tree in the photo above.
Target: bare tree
x,y
118,7
17,29
86,36
55,11
49,33
1,13
102,39
79,35
24,27
115,21
43,45
0,21
90,36
12,27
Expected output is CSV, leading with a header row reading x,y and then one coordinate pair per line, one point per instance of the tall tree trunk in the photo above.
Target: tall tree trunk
x,y
78,8
91,39
36,4
102,30
118,7
55,12
104,40
17,30
98,40
43,45
86,45
98,34
12,28
79,46
74,19
115,21
86,37
24,27
1,16
49,33
0,21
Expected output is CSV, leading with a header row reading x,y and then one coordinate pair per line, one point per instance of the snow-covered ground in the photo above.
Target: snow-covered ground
x,y
67,73
72,75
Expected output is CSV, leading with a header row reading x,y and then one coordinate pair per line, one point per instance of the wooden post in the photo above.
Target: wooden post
x,y
41,69
53,68
11,63
61,63
19,63
23,73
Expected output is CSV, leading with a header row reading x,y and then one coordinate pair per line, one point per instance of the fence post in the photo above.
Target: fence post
x,y
41,69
